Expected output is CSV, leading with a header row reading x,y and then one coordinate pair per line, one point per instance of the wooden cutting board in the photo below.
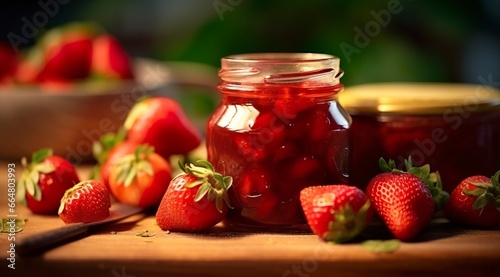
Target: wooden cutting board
x,y
441,249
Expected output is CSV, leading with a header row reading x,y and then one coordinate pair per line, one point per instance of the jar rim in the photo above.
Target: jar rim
x,y
279,57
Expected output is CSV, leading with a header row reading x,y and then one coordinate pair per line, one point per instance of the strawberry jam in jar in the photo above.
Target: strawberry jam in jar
x,y
453,127
278,129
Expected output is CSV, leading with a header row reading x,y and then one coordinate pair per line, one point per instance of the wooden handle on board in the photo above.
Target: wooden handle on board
x,y
49,238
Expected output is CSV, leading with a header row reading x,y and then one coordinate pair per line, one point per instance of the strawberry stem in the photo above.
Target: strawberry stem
x,y
211,183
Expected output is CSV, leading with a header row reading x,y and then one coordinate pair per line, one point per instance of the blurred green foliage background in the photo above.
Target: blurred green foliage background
x,y
437,41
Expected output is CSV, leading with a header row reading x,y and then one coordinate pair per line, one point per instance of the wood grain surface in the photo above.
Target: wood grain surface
x,y
442,249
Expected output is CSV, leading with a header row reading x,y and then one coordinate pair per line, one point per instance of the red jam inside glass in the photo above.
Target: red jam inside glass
x,y
274,139
455,129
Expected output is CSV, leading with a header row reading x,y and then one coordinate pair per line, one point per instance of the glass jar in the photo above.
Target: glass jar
x,y
278,129
455,128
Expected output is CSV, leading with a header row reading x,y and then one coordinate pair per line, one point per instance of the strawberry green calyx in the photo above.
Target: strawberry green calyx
x,y
68,193
130,165
347,223
431,179
31,175
485,192
211,183
101,148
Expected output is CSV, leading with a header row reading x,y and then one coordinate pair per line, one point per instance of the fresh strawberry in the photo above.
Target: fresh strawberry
x,y
68,61
44,181
475,201
140,179
336,213
403,199
62,55
162,123
109,59
87,201
195,200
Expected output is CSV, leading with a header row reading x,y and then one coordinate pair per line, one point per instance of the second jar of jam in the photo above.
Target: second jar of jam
x,y
278,129
455,128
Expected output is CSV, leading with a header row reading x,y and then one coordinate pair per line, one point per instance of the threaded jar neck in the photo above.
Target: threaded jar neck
x,y
247,72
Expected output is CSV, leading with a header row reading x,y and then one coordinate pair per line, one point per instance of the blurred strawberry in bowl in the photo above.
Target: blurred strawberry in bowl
x,y
63,54
74,53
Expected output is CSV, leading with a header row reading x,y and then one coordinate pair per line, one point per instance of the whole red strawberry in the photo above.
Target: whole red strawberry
x,y
403,199
336,213
87,201
44,181
162,123
475,201
62,55
141,178
195,200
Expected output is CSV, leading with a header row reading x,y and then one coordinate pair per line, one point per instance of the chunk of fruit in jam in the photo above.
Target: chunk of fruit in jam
x,y
286,147
289,108
253,186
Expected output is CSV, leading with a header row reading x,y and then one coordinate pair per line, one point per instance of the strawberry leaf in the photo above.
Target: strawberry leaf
x,y
132,173
130,165
102,147
495,180
195,183
145,167
421,172
44,168
409,163
5,225
202,191
382,246
480,203
219,202
383,165
346,223
475,192
21,190
227,182
38,192
40,155
145,234
205,164
30,186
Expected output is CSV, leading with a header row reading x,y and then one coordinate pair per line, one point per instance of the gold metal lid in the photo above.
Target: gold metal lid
x,y
419,98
